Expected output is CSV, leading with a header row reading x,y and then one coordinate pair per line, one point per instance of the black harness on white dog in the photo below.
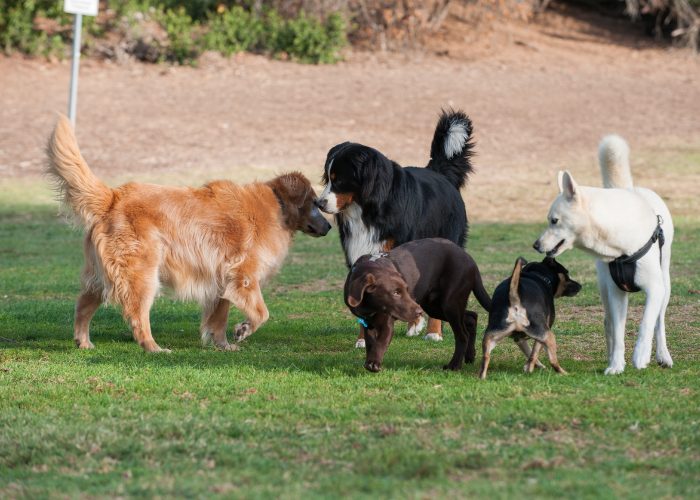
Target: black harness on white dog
x,y
624,267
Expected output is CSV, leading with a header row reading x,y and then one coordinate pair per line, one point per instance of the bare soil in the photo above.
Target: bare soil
x,y
540,95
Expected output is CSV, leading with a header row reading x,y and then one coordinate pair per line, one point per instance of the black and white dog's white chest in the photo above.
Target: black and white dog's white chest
x,y
358,238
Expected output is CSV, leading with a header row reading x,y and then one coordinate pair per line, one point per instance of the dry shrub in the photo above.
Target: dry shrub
x,y
678,18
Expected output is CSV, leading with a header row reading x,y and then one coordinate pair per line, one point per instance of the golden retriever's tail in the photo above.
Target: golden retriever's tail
x,y
614,159
87,196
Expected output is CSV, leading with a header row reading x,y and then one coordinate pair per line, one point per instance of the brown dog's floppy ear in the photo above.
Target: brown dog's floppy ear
x,y
358,289
291,187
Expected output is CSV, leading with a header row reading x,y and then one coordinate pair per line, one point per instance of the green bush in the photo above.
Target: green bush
x,y
17,30
179,27
191,26
308,40
234,30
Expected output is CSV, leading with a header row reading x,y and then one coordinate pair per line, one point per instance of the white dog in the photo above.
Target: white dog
x,y
614,223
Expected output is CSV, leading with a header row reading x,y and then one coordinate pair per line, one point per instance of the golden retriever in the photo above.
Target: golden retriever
x,y
216,244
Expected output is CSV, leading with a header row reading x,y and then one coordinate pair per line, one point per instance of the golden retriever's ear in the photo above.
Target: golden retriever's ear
x,y
358,289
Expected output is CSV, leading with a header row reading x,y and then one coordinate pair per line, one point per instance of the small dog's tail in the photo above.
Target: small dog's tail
x,y
87,196
516,312
452,147
614,159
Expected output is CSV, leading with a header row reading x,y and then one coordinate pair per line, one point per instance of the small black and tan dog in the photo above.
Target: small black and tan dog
x,y
523,308
432,275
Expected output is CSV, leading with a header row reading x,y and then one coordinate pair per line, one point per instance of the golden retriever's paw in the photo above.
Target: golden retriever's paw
x,y
242,331
433,337
84,344
227,347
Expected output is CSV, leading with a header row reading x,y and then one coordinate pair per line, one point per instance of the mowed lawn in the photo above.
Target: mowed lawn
x,y
294,413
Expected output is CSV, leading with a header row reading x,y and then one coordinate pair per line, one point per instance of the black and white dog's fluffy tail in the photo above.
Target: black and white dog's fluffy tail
x,y
452,147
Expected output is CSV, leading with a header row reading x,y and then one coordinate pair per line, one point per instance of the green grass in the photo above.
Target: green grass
x,y
293,413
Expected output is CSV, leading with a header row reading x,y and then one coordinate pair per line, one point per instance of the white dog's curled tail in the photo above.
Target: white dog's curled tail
x,y
614,158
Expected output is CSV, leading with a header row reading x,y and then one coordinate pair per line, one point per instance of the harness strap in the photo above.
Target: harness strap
x,y
623,269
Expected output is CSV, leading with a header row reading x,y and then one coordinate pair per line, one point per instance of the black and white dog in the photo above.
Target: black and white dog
x,y
379,205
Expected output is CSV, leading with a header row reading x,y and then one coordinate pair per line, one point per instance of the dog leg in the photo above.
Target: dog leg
x,y
525,348
461,343
434,330
415,329
615,305
551,344
85,308
214,321
663,357
470,321
135,294
248,298
652,309
360,342
490,340
532,357
139,321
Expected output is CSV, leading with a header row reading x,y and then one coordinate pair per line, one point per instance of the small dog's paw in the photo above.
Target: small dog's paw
x,y
84,344
416,328
615,369
360,344
434,337
242,331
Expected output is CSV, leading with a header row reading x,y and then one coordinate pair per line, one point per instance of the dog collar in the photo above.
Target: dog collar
x,y
540,276
363,322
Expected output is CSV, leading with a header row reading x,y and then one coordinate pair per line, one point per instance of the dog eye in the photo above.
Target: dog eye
x,y
397,292
554,220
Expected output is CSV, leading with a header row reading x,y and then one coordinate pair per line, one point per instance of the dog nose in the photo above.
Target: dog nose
x,y
536,245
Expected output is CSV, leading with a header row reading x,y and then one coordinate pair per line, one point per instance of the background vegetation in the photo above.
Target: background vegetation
x,y
311,31
293,413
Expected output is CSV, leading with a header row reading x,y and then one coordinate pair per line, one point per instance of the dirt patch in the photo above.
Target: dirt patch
x,y
540,97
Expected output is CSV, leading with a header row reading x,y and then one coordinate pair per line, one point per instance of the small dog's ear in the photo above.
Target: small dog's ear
x,y
358,289
571,288
567,185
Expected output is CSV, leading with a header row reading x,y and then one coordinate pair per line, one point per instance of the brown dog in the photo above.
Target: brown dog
x,y
215,244
432,275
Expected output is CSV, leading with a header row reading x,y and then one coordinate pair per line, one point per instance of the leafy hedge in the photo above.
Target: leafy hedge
x,y
172,31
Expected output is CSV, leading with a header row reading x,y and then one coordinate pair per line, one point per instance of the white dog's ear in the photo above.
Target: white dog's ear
x,y
567,185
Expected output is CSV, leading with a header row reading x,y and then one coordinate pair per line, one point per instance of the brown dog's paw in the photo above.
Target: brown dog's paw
x,y
242,331
372,366
86,344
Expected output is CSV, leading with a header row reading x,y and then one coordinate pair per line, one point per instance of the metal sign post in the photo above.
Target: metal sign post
x,y
79,8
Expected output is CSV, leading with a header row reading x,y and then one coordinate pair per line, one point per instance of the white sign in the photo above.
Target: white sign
x,y
85,7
